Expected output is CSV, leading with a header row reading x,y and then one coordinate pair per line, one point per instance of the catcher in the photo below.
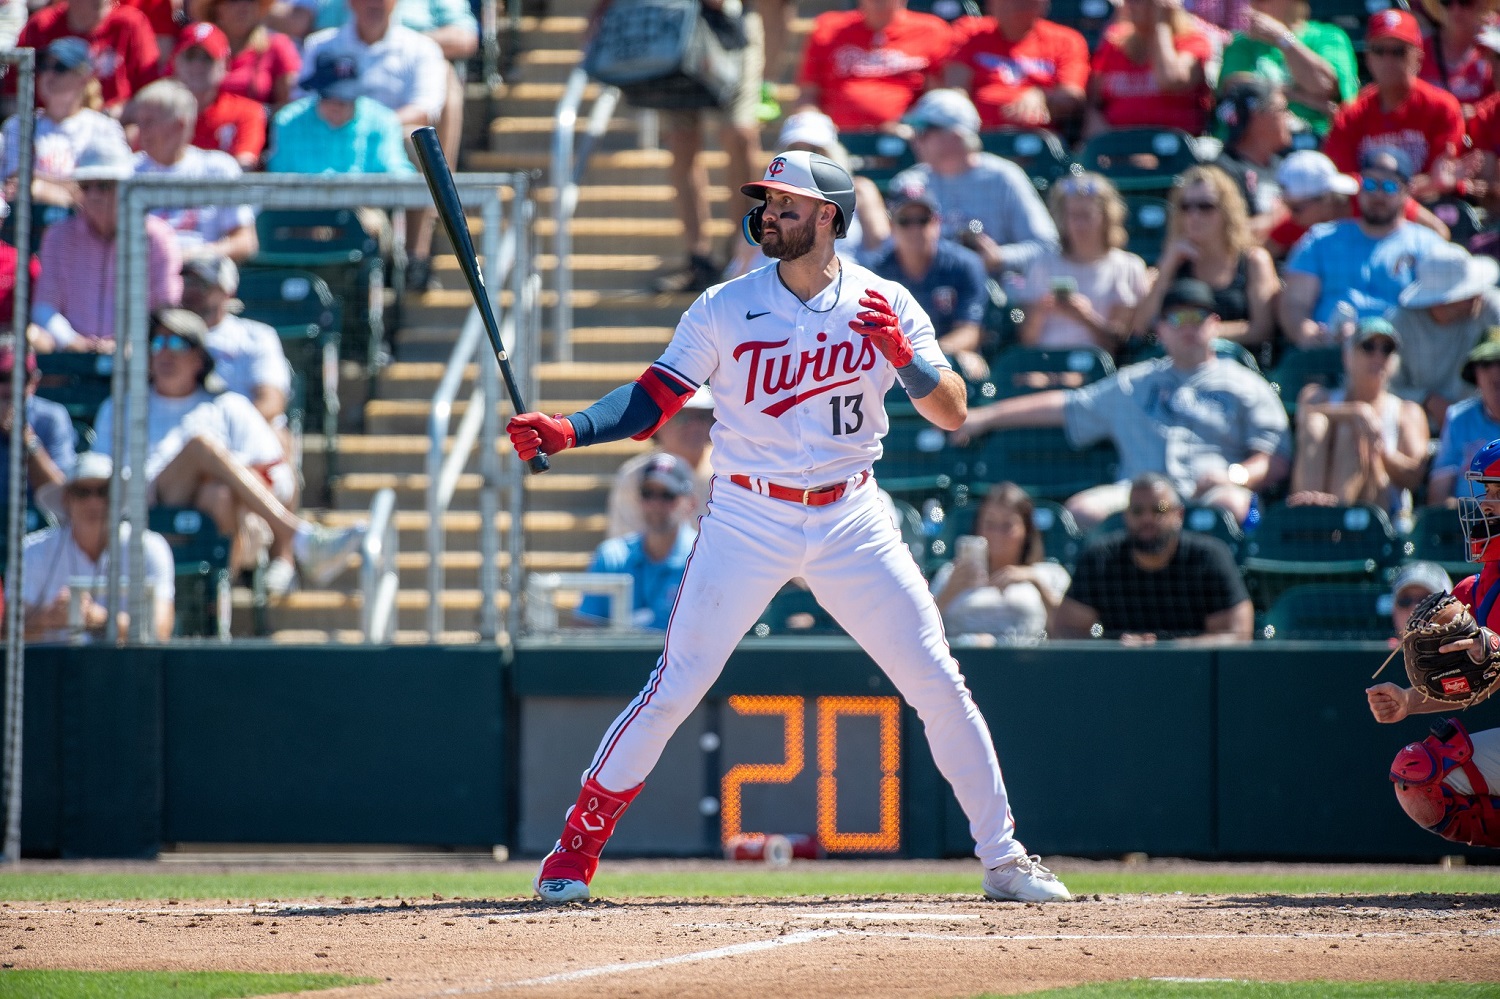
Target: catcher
x,y
1445,781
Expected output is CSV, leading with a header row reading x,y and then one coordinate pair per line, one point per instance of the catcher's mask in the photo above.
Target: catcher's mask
x,y
1481,532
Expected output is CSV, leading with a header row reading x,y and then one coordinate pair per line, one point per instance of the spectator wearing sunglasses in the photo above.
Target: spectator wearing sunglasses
x,y
1360,442
1470,424
1364,261
1399,109
76,553
685,436
1209,238
1313,191
214,451
657,555
1452,57
1312,61
1414,583
1442,315
946,279
1086,292
122,44
1216,428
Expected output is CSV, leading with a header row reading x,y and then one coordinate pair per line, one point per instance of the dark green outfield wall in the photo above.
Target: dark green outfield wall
x,y
1266,750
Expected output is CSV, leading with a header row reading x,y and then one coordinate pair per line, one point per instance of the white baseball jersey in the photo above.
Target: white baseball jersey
x,y
798,395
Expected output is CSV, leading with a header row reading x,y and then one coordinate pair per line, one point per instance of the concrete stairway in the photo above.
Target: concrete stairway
x,y
625,232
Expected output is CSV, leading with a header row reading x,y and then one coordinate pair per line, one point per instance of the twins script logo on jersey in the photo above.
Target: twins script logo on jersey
x,y
781,378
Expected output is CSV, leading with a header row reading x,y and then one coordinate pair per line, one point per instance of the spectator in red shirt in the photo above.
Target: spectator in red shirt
x,y
166,18
264,65
863,68
122,45
227,122
1423,121
1021,69
1149,70
1451,57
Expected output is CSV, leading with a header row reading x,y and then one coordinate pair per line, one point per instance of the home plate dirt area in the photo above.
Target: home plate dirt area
x,y
865,946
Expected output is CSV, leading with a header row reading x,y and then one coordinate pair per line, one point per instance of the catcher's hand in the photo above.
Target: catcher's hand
x,y
1449,657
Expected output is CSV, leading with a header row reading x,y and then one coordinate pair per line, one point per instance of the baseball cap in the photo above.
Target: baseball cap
x,y
1190,292
335,75
89,466
1398,24
812,175
944,108
1369,329
808,128
1487,349
668,471
209,37
1308,173
104,159
1429,575
1391,159
69,52
912,194
213,269
189,326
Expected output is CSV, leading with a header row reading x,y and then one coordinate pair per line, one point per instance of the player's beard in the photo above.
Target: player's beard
x,y
789,242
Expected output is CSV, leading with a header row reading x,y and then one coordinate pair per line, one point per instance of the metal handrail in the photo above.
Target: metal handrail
x,y
380,579
479,422
565,173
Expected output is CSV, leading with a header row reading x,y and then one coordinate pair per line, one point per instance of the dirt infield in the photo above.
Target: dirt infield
x,y
865,946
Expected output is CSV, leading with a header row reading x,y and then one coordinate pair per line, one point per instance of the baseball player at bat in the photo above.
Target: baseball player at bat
x,y
1448,782
800,354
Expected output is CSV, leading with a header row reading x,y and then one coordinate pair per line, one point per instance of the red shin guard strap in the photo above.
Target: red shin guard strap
x,y
592,820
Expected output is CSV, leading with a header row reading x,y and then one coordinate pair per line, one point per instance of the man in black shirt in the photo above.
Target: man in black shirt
x,y
1257,129
1155,582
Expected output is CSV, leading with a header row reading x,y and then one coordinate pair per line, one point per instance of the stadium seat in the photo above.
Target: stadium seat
x,y
917,458
1317,544
948,10
1140,159
795,611
202,557
1039,460
877,155
1353,15
1036,150
1088,17
1075,366
301,307
78,382
1330,612
1436,536
1146,226
1323,365
332,244
1001,326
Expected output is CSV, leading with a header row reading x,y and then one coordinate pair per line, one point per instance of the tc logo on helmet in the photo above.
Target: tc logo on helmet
x,y
777,165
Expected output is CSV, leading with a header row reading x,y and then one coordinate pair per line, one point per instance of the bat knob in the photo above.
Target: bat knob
x,y
538,463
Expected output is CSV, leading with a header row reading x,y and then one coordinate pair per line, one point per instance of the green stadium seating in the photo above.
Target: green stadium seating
x,y
1039,460
1330,612
781,616
1140,159
1298,367
1354,15
202,557
1317,544
1036,150
302,309
1146,225
1436,536
332,244
1088,17
78,382
878,155
1082,365
917,459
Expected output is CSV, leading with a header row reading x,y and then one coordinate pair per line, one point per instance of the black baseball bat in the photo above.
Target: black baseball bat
x,y
445,196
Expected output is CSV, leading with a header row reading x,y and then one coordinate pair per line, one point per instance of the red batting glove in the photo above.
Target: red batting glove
x,y
880,324
533,432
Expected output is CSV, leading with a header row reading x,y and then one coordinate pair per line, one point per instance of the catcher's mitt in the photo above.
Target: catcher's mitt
x,y
1448,676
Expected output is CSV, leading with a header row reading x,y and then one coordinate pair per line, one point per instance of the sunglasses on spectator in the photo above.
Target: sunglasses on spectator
x,y
1159,509
913,221
1205,207
170,341
1390,52
1297,207
53,66
1387,186
1178,318
1378,345
657,496
88,492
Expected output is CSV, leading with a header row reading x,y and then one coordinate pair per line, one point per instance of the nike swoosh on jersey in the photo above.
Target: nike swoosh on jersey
x,y
756,315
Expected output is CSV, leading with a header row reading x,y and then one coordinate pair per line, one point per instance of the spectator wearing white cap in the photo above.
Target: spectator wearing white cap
x,y
988,203
247,355
1441,316
656,555
76,553
73,304
685,436
1414,583
1313,191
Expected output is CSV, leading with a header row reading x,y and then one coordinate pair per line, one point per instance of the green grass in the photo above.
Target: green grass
x,y
157,984
1146,989
622,881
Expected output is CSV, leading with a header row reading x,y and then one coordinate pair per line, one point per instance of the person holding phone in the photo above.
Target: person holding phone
x,y
1084,293
999,588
